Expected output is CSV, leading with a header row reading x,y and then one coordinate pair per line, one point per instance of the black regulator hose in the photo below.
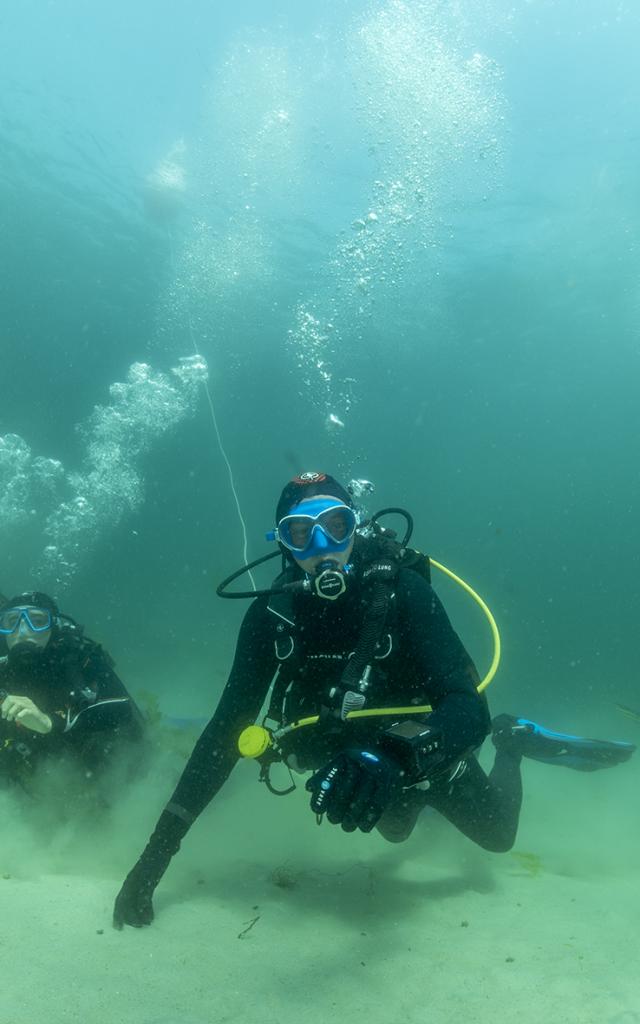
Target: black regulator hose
x,y
369,636
408,518
221,589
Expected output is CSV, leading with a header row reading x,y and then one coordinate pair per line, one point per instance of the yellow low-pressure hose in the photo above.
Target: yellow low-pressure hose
x,y
255,739
493,668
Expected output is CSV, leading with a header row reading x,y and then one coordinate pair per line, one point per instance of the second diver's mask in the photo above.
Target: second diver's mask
x,y
26,627
36,619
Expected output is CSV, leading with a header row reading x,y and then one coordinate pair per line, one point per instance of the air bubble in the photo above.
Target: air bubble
x,y
76,508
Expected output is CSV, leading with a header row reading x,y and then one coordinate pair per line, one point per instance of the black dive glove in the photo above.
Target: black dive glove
x,y
133,904
357,786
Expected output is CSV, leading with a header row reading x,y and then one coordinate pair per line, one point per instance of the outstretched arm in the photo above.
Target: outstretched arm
x,y
210,764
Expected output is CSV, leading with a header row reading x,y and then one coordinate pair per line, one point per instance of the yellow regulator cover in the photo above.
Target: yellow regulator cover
x,y
253,741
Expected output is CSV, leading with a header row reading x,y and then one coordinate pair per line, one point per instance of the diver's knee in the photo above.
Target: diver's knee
x,y
498,843
392,836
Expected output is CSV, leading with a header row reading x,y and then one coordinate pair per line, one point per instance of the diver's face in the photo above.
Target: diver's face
x,y
328,553
24,634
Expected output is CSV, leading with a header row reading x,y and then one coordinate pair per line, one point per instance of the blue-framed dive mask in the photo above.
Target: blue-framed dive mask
x,y
321,527
37,619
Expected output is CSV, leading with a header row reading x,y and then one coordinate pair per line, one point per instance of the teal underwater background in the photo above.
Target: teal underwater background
x,y
403,236
397,241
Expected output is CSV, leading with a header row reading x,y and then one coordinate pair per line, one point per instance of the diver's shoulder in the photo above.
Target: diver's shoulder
x,y
414,595
258,610
410,581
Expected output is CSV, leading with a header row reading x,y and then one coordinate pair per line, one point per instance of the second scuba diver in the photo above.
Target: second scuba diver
x,y
60,697
352,624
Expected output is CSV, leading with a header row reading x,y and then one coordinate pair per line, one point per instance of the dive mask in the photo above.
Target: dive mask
x,y
322,528
37,619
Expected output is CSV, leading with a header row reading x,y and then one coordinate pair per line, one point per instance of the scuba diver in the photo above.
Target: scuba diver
x,y
59,695
370,689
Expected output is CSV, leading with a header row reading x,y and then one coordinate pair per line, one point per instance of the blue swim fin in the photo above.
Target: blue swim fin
x,y
522,737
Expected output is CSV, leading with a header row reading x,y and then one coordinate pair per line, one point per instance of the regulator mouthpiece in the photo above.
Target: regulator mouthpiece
x,y
330,581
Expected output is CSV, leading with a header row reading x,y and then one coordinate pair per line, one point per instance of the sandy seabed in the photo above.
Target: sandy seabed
x,y
264,916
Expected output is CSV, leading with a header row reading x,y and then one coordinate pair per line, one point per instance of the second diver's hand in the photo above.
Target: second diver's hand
x,y
23,711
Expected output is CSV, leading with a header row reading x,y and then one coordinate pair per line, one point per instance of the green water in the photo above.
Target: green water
x,y
403,239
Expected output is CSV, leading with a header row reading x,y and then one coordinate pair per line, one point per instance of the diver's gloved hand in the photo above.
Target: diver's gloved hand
x,y
133,904
356,788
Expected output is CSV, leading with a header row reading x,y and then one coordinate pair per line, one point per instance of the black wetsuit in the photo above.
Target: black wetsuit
x,y
73,682
421,660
